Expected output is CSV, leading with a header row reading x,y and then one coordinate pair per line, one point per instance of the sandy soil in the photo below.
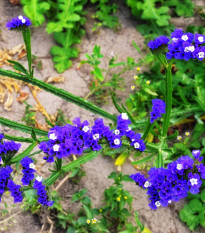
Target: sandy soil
x,y
164,220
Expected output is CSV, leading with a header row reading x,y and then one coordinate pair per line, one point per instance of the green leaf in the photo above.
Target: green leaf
x,y
18,66
97,72
69,12
20,156
88,212
183,7
136,47
35,10
63,53
202,195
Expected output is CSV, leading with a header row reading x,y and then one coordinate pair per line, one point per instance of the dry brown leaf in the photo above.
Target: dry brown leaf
x,y
22,54
9,101
40,126
59,79
17,49
2,93
22,96
4,56
15,2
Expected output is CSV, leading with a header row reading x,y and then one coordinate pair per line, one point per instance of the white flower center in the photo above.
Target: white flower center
x,y
193,181
136,145
128,129
124,116
85,129
31,165
39,178
96,136
20,17
157,203
170,201
175,39
117,141
185,37
201,54
146,184
52,136
117,132
56,147
179,166
189,49
201,39
23,20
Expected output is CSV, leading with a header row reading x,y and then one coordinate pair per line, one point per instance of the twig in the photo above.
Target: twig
x,y
62,182
5,220
51,223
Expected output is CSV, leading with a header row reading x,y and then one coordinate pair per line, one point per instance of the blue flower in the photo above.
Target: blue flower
x,y
158,108
41,192
4,176
19,23
28,170
140,180
15,191
158,42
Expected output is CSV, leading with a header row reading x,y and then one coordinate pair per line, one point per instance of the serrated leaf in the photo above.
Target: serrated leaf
x,y
63,53
69,12
35,10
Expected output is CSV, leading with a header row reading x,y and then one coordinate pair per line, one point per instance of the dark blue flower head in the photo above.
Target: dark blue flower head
x,y
28,170
15,191
140,180
19,23
196,154
158,108
1,136
158,42
4,176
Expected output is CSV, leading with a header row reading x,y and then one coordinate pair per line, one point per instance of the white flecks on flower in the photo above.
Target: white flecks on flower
x,y
179,166
201,39
94,220
189,49
56,147
39,178
132,139
195,152
185,37
179,137
201,54
157,203
23,20
193,181
146,184
187,133
117,132
170,201
52,136
136,145
117,141
124,116
31,165
132,88
128,129
175,39
85,129
96,136
20,17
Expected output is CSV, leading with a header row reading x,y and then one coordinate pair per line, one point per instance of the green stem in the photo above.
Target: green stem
x,y
60,93
59,164
148,128
19,139
168,99
159,162
21,127
27,40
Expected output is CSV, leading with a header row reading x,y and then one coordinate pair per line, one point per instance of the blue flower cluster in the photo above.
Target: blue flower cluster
x,y
182,45
8,147
158,42
28,170
74,139
16,193
41,192
174,182
4,176
158,108
19,23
